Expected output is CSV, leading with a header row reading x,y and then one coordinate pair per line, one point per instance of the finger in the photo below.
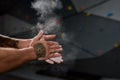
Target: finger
x,y
31,43
57,60
49,61
55,46
49,37
53,55
56,50
52,43
39,35
61,58
40,59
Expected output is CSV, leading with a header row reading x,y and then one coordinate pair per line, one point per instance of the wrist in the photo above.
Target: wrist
x,y
29,53
32,53
24,43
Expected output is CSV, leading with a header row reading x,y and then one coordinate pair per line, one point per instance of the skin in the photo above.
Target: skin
x,y
7,42
13,56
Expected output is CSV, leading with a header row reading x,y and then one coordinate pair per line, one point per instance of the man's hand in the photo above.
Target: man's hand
x,y
39,36
50,50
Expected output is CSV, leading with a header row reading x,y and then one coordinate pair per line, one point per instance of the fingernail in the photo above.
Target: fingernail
x,y
61,60
61,49
60,46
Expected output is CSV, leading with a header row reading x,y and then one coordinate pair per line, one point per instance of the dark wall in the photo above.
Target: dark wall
x,y
1,24
95,33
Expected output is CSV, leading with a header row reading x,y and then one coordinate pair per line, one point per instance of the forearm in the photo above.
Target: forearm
x,y
23,43
14,43
12,58
8,42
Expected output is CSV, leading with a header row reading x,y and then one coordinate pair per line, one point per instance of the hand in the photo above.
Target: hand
x,y
39,36
54,56
52,48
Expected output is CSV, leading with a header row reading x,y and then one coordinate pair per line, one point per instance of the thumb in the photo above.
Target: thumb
x,y
49,37
39,35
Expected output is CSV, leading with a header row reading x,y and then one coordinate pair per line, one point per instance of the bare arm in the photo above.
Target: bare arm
x,y
13,43
11,58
